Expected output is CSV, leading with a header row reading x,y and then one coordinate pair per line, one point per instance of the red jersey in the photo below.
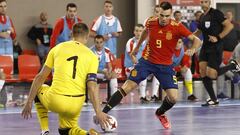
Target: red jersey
x,y
59,28
3,20
163,40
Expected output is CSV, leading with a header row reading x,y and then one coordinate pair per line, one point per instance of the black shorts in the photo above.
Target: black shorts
x,y
212,54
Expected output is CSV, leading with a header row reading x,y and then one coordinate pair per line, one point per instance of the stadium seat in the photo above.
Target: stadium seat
x,y
226,57
29,66
29,52
118,67
6,63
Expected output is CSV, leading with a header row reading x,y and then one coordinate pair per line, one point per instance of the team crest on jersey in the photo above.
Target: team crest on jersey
x,y
160,32
207,24
175,79
168,35
134,73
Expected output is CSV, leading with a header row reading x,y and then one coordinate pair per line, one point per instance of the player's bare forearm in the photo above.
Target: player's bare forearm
x,y
38,82
196,44
197,33
228,26
94,95
143,37
195,40
109,67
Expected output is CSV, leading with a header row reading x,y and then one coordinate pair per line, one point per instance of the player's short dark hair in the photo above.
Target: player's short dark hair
x,y
108,2
139,25
165,5
176,12
80,30
197,12
98,37
71,5
3,1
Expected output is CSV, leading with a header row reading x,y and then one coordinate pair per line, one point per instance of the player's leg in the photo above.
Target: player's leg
x,y
41,108
113,85
2,82
142,91
69,113
204,63
141,71
168,80
155,88
116,98
187,74
2,79
69,125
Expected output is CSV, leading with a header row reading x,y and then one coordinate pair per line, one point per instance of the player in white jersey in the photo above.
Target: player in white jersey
x,y
105,57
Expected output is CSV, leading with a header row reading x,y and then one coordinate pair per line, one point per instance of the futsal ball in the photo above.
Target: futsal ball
x,y
112,125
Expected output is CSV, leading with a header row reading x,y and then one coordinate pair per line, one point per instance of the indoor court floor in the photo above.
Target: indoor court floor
x,y
187,118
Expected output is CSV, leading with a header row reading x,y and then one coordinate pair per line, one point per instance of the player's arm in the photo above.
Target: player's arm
x,y
197,33
36,85
94,92
94,97
95,26
109,67
13,31
227,27
56,32
196,44
143,37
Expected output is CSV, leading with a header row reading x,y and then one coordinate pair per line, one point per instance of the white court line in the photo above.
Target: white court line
x,y
128,108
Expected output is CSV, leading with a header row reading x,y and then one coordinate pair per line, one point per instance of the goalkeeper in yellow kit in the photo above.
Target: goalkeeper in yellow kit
x,y
75,65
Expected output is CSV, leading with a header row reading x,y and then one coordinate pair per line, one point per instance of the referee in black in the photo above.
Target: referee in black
x,y
214,27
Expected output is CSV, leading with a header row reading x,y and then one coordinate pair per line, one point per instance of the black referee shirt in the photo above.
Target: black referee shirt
x,y
211,24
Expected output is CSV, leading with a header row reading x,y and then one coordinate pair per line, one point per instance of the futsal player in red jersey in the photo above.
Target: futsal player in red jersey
x,y
163,34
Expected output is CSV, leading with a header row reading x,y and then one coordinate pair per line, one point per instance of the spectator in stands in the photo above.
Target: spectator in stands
x,y
193,27
105,70
233,38
17,50
230,42
108,26
63,26
156,13
129,62
41,33
178,18
2,78
7,31
236,56
235,77
194,23
182,66
2,93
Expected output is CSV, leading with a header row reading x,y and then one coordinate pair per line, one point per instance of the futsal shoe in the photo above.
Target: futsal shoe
x,y
210,102
237,66
154,98
192,98
164,120
45,133
144,100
